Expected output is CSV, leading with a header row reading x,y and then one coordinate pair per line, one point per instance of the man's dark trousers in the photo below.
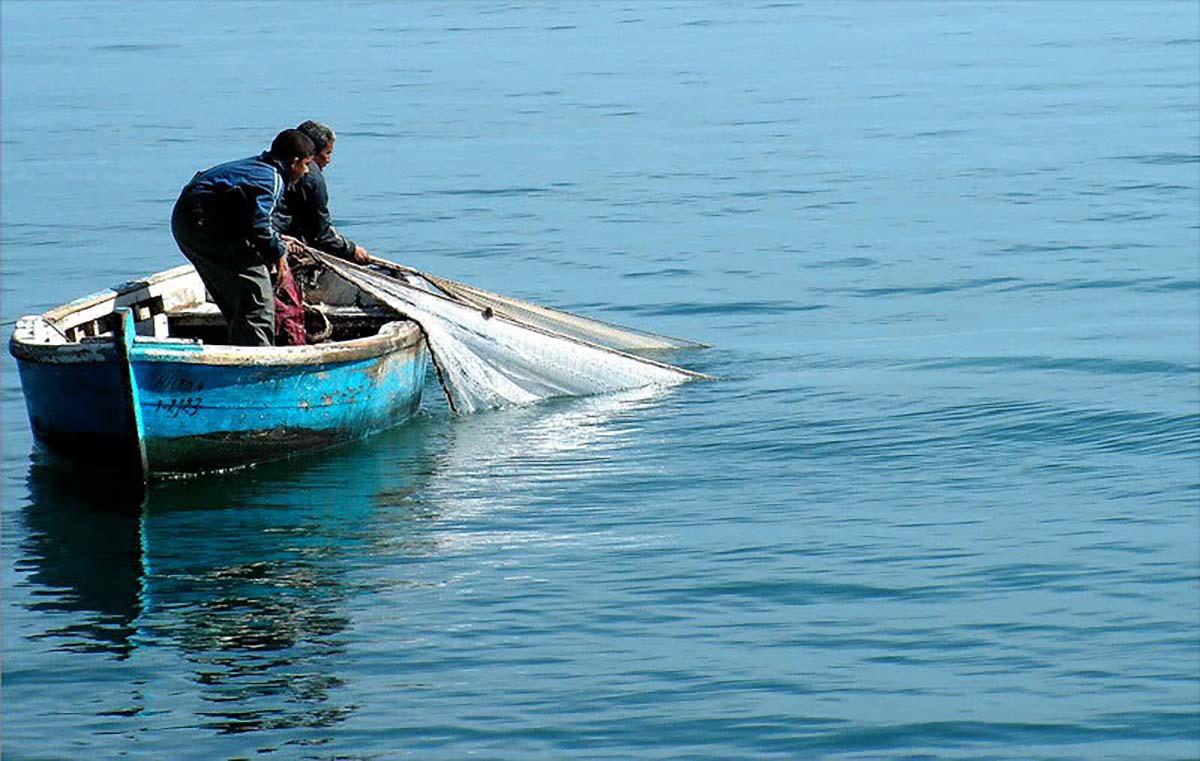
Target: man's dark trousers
x,y
232,271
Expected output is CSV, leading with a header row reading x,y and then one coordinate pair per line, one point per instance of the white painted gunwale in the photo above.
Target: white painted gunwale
x,y
42,338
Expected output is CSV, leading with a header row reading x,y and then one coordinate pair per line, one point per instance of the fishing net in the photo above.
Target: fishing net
x,y
490,357
586,329
583,328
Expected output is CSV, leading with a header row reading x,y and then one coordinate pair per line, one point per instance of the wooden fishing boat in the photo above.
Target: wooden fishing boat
x,y
137,376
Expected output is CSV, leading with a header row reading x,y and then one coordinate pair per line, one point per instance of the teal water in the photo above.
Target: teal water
x,y
944,501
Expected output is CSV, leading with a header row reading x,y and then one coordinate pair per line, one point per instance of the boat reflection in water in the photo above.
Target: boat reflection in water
x,y
241,576
83,552
252,586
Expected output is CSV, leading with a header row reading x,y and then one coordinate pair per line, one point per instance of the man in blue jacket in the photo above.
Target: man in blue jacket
x,y
222,224
304,212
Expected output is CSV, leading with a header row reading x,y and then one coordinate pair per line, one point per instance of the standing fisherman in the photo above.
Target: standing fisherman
x,y
304,212
222,224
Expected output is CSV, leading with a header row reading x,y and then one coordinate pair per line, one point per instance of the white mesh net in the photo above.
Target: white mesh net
x,y
488,358
556,321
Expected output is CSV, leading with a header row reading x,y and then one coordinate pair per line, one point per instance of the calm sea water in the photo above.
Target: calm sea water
x,y
943,502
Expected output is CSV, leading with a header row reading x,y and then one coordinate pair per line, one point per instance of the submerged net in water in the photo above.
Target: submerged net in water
x,y
492,357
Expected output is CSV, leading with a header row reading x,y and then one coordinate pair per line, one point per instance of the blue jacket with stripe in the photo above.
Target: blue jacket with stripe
x,y
234,203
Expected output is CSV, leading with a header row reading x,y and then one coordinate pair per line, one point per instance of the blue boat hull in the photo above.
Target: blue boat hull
x,y
200,407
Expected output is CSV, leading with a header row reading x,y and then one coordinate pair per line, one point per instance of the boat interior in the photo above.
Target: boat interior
x,y
174,305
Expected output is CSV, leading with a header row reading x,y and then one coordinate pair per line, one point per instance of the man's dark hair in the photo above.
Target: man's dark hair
x,y
320,134
292,144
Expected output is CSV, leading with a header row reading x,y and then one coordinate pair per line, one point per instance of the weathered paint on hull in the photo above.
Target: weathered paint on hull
x,y
78,410
202,411
213,416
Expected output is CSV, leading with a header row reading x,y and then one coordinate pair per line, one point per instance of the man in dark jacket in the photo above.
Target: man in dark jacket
x,y
222,224
304,212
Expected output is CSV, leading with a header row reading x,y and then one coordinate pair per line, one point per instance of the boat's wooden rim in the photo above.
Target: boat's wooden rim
x,y
45,337
125,294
